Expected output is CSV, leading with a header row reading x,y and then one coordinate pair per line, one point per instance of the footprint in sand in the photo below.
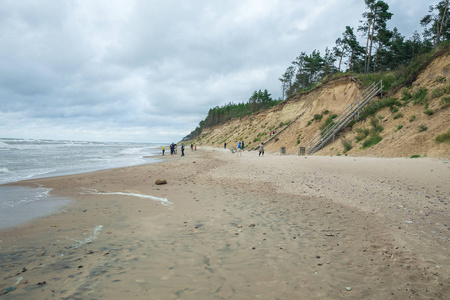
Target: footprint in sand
x,y
165,277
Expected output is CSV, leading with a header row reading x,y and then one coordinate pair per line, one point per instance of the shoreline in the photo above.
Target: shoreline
x,y
240,227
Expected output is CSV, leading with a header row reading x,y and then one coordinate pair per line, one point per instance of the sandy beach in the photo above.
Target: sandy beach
x,y
231,227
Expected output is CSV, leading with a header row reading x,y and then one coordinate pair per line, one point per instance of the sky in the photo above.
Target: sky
x,y
149,70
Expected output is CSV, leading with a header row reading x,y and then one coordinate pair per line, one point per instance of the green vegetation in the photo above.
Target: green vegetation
x,y
419,96
373,107
259,100
372,140
376,125
351,123
318,117
445,101
447,89
407,96
413,118
443,137
415,156
399,115
399,127
428,112
362,133
347,145
422,128
436,93
327,125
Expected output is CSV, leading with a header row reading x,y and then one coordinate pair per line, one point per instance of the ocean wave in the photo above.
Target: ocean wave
x,y
23,196
131,151
4,171
4,146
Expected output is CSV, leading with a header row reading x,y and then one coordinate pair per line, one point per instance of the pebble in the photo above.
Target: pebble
x,y
348,288
10,289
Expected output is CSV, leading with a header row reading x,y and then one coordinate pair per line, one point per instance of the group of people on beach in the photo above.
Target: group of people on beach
x,y
174,147
241,146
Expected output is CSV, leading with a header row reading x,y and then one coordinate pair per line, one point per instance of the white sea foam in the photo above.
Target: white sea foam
x,y
163,201
90,238
4,170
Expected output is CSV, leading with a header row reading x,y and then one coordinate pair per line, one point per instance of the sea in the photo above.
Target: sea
x,y
22,159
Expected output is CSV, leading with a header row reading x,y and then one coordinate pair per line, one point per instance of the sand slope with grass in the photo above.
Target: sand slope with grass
x,y
415,123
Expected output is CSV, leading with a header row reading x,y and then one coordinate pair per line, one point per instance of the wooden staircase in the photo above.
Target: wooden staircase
x,y
349,113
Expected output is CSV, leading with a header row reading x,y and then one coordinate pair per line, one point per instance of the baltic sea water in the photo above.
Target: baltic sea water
x,y
22,159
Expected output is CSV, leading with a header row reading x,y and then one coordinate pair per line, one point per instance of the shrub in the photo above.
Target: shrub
x,y
376,125
326,112
256,139
436,93
333,116
413,118
373,139
298,142
351,123
347,145
422,128
318,117
399,115
415,156
362,134
420,96
406,95
443,137
393,108
375,106
445,101
327,125
447,89
428,112
399,127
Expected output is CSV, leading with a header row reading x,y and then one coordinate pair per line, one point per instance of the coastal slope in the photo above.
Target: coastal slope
x,y
416,116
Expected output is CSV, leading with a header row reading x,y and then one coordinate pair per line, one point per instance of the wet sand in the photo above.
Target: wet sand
x,y
273,227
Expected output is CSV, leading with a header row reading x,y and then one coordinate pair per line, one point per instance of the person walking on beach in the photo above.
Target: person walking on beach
x,y
242,146
261,149
182,149
239,149
225,145
163,150
192,147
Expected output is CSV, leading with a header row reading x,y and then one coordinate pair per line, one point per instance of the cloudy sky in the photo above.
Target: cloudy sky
x,y
149,70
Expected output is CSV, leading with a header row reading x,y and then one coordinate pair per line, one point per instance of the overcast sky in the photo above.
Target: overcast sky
x,y
149,71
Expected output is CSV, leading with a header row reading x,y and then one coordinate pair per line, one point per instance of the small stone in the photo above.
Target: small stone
x,y
239,226
348,288
252,225
160,181
10,289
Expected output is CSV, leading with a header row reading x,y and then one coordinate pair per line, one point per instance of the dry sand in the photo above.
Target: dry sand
x,y
273,227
